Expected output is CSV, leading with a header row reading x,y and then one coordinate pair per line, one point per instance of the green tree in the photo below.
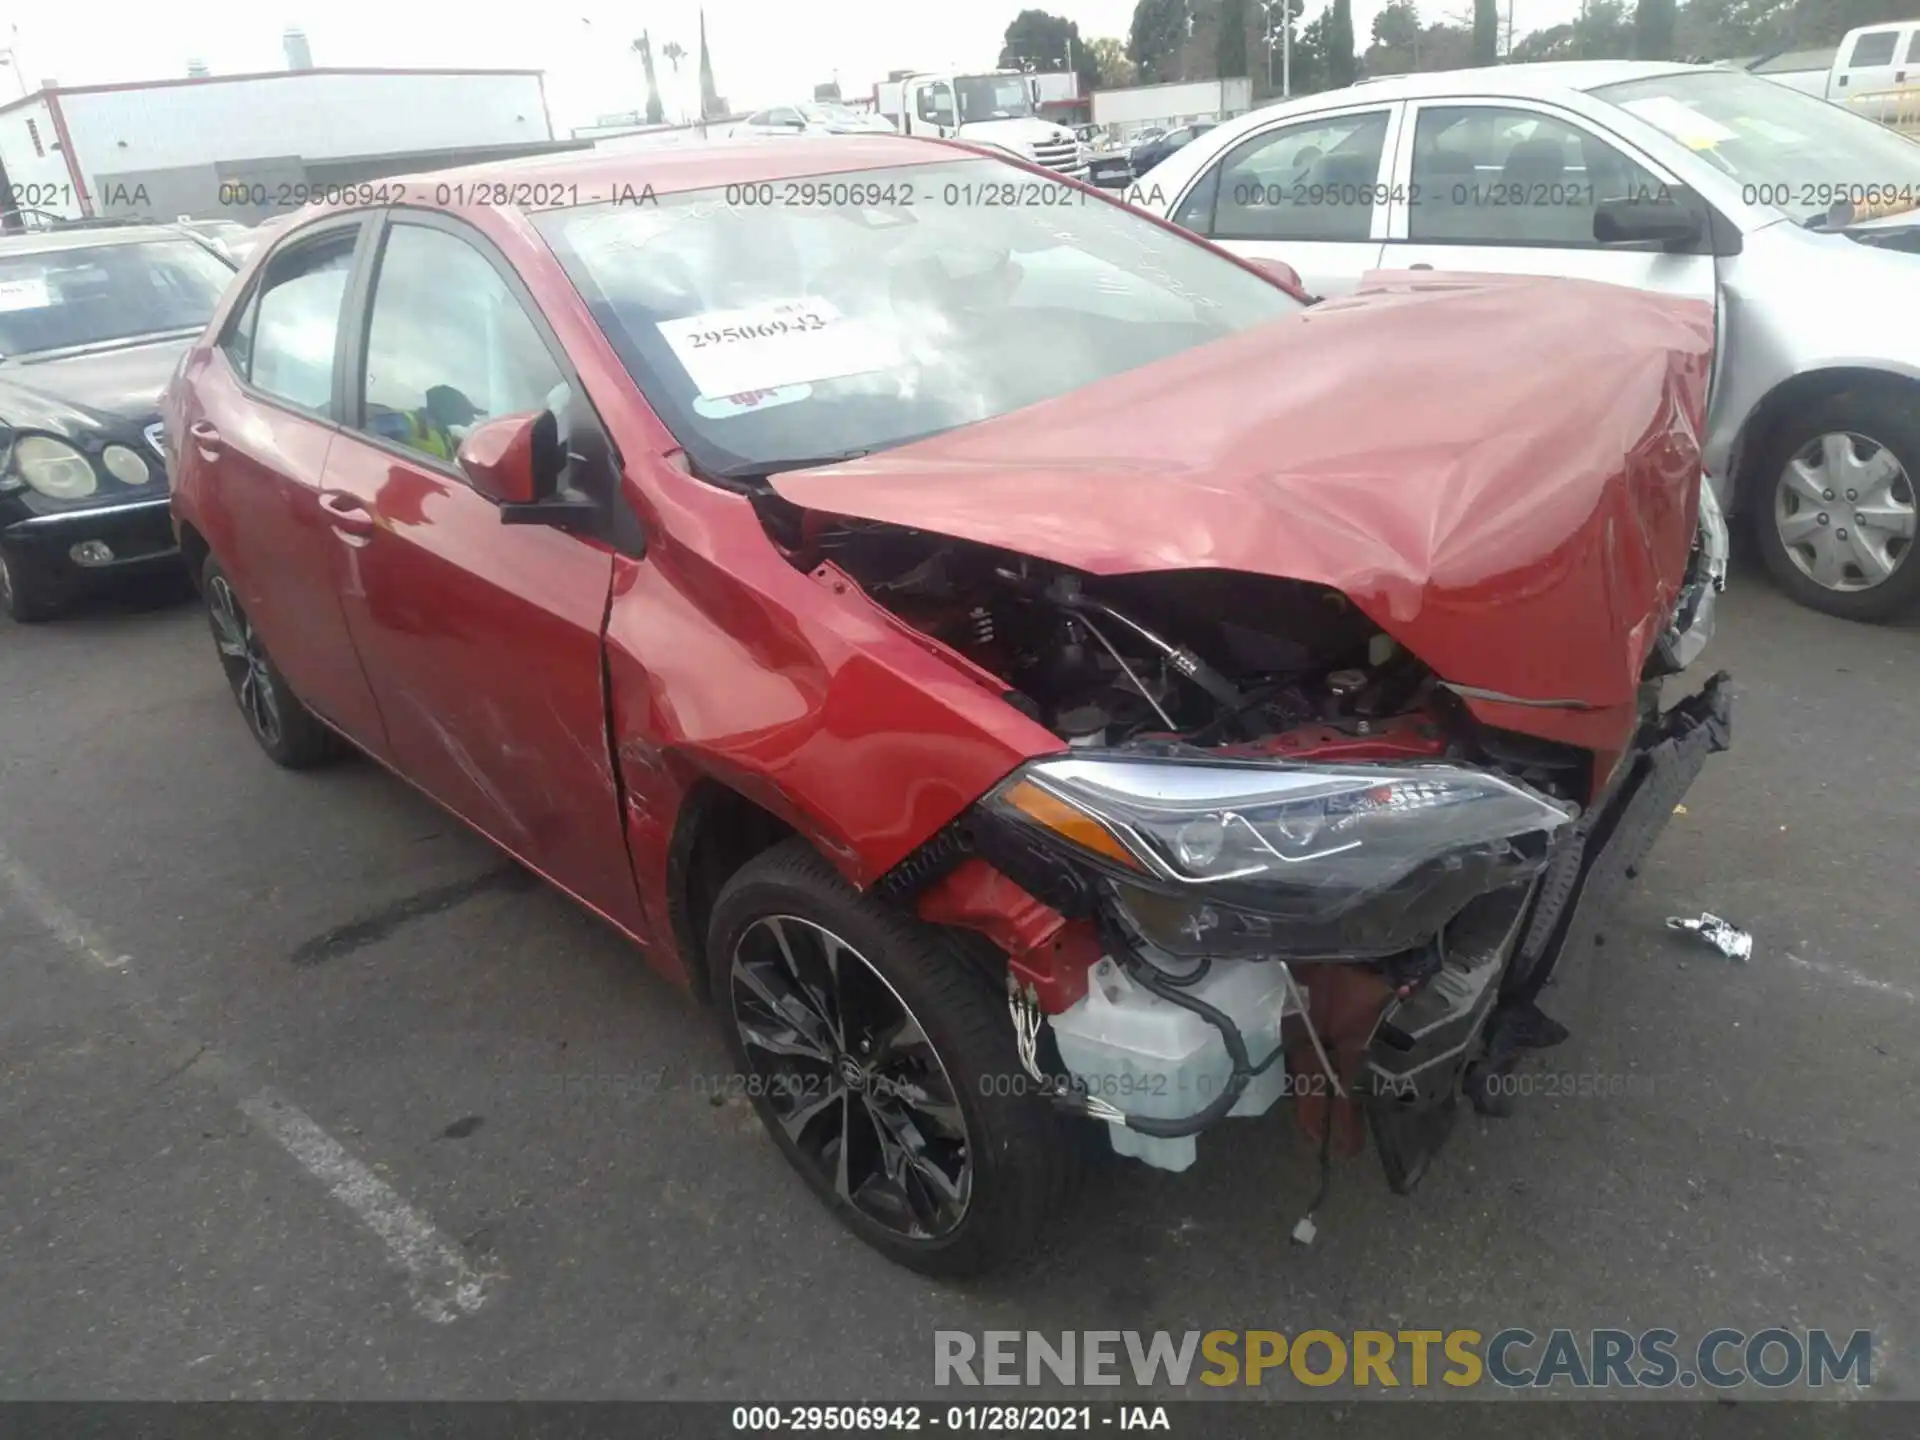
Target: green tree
x,y
1342,68
1310,46
1153,44
1110,63
1038,41
1653,28
1486,31
1825,22
1603,32
1397,25
1402,45
1230,53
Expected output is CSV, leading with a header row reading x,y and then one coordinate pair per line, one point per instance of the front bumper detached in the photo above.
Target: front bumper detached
x,y
1582,885
1457,1015
1472,1021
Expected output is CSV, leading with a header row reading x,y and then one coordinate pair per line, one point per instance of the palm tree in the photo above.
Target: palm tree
x,y
674,54
643,47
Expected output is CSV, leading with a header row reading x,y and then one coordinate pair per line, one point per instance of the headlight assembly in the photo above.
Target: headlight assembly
x,y
125,465
54,468
1297,861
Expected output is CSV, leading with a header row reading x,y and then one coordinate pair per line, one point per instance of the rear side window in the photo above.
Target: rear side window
x,y
448,344
1874,48
287,335
1913,46
1317,180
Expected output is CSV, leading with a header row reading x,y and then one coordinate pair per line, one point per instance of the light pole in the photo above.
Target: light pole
x,y
1266,8
1286,54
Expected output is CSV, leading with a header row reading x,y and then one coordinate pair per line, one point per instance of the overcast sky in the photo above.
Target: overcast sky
x,y
763,50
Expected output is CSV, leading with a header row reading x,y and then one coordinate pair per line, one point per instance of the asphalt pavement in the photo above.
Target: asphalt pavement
x,y
304,1092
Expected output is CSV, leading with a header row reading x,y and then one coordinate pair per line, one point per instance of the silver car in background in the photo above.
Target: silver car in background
x,y
1797,220
814,117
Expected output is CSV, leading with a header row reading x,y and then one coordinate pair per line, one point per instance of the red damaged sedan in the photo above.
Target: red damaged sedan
x,y
1035,675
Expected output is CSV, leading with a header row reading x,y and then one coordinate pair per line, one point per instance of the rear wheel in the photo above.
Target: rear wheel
x,y
883,1065
289,732
21,597
1833,505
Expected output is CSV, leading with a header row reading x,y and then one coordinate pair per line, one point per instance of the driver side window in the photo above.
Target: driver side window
x,y
1316,180
1492,176
448,345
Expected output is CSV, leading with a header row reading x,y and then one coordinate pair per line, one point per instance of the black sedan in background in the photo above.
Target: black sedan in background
x,y
1149,153
92,322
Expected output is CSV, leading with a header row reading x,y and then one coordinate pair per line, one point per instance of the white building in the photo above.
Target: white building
x,y
1177,102
249,146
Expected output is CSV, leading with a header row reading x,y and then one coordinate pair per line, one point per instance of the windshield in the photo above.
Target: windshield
x,y
52,299
992,97
1789,150
889,305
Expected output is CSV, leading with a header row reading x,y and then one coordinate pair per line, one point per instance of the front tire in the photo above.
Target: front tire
x,y
285,728
1832,504
882,1062
21,597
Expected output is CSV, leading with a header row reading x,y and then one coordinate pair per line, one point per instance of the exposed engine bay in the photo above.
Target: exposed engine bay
x,y
1236,664
1364,928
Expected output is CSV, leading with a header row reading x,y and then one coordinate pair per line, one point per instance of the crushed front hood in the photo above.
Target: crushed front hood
x,y
1502,473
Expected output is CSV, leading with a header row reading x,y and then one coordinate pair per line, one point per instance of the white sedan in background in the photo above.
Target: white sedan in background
x,y
1798,221
816,117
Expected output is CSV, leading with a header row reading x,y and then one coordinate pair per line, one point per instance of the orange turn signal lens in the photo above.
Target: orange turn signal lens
x,y
1047,809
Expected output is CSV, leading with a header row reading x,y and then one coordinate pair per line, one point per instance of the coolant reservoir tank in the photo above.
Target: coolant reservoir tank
x,y
1148,1056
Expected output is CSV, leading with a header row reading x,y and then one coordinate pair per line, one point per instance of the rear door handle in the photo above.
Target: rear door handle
x,y
349,514
206,436
1419,265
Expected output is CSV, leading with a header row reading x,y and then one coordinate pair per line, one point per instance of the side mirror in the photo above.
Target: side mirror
x,y
794,124
1277,270
517,461
499,457
1671,219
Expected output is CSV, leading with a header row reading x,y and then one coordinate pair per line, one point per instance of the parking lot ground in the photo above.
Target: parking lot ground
x,y
304,1091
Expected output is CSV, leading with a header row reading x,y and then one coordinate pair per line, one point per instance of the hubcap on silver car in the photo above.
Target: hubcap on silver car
x,y
851,1077
244,660
1844,508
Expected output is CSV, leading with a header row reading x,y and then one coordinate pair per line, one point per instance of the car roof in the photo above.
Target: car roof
x,y
1542,78
82,237
694,164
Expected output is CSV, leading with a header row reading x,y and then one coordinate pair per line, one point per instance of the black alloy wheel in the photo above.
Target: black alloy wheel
x,y
881,1059
851,1077
290,733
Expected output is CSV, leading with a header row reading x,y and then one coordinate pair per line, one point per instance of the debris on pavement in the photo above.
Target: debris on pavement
x,y
1726,937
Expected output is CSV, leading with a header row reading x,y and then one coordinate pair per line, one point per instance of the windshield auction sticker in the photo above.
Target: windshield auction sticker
x,y
29,293
1684,123
768,347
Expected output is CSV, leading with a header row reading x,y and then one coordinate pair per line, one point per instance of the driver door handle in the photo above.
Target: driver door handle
x,y
349,514
206,436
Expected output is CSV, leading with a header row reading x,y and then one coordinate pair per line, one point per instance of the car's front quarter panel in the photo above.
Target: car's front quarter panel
x,y
1795,305
792,689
